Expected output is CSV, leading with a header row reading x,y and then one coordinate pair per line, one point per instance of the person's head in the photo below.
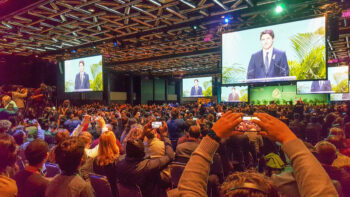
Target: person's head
x,y
8,152
37,152
326,152
336,141
81,66
5,125
87,138
248,184
194,131
135,149
296,116
337,132
266,38
108,150
19,137
61,135
69,155
196,82
233,90
174,113
5,100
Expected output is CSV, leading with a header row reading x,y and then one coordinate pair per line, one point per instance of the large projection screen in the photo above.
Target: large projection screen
x,y
337,82
83,74
197,87
234,94
295,51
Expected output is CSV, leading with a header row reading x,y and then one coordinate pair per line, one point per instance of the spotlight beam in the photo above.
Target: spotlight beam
x,y
188,3
220,4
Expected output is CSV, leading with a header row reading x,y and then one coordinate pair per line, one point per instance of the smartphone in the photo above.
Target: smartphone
x,y
248,125
195,119
156,124
54,108
218,114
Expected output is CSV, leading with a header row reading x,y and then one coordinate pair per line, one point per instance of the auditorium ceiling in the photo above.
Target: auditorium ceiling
x,y
161,37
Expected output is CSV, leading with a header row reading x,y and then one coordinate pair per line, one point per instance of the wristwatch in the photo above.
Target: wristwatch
x,y
213,136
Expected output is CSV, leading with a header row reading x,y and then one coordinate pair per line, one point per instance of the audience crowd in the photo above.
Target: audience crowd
x,y
194,149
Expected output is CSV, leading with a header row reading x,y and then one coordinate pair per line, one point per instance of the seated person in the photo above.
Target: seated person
x,y
134,169
69,156
30,181
185,150
8,187
326,154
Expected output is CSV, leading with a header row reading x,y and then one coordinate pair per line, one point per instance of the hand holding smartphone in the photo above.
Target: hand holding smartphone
x,y
247,125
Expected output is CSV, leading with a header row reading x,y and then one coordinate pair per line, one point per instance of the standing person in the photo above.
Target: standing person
x,y
18,96
176,127
196,90
268,62
82,78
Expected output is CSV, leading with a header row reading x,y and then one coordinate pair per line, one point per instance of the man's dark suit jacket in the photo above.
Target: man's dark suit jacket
x,y
194,93
278,65
233,97
315,86
84,85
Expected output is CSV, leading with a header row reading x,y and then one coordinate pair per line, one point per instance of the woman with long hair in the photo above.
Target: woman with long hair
x,y
105,162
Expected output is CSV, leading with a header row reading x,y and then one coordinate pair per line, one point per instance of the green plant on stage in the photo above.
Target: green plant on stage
x,y
341,87
311,53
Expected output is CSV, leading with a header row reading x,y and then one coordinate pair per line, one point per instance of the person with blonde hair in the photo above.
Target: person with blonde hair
x,y
105,161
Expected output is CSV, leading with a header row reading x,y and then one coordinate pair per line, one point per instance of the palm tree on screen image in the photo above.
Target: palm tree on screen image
x,y
310,50
96,83
234,73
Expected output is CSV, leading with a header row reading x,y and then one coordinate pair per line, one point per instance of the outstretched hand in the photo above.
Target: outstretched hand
x,y
276,129
224,127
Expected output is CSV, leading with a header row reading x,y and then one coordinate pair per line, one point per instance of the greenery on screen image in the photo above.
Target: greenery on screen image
x,y
96,82
310,64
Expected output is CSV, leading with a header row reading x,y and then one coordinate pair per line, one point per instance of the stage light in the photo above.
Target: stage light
x,y
226,20
195,27
115,43
279,8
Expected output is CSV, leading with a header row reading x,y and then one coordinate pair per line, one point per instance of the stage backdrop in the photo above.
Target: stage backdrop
x,y
282,95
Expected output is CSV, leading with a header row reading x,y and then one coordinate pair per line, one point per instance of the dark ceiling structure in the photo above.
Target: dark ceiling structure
x,y
161,37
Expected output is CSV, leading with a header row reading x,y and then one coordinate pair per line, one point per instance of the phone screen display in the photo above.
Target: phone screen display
x,y
156,125
247,125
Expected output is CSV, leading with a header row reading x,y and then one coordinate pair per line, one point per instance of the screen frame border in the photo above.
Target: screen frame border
x,y
277,23
64,74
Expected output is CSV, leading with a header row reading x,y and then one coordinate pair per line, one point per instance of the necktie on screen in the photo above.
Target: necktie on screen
x,y
267,61
81,79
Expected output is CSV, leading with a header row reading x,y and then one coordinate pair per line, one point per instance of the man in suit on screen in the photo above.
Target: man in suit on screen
x,y
196,90
233,96
268,62
82,78
321,86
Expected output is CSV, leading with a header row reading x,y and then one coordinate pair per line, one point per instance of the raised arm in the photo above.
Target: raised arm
x,y
193,181
311,178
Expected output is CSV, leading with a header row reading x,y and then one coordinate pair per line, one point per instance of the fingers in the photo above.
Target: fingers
x,y
261,116
262,124
226,114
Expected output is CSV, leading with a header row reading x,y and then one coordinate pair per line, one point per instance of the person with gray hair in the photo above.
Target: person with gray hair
x,y
5,126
